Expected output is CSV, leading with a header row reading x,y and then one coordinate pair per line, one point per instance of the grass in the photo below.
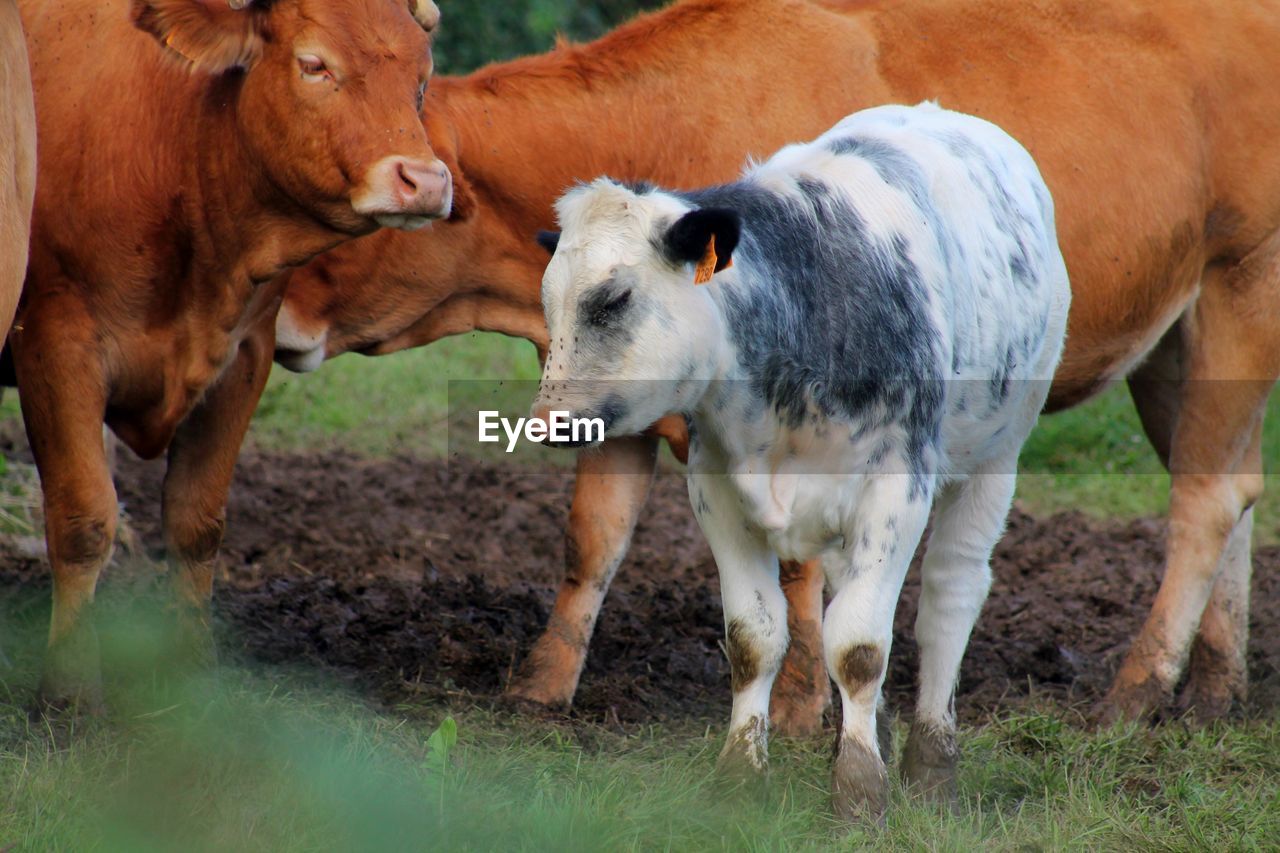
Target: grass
x,y
274,760
265,759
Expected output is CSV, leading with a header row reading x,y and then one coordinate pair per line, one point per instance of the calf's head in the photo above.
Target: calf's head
x,y
632,335
326,97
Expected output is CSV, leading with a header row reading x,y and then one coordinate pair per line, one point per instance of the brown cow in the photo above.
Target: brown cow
x,y
17,160
1152,123
190,151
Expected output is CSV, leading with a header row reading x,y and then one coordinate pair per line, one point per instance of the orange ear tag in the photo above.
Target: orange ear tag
x,y
707,266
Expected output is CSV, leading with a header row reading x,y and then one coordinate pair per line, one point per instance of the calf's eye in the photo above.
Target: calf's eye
x,y
610,310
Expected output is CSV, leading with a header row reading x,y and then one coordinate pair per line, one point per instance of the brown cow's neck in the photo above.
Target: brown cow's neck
x,y
252,228
524,132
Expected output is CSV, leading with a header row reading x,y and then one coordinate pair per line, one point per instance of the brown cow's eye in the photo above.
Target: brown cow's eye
x,y
313,66
422,93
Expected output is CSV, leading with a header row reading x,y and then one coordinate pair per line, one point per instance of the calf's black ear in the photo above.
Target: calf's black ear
x,y
549,240
706,237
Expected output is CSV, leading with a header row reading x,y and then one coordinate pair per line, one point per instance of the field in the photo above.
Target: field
x,y
376,593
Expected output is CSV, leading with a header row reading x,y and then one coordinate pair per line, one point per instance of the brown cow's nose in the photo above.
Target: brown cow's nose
x,y
422,186
400,192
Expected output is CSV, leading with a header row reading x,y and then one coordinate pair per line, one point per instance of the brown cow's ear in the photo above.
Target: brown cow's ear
x,y
213,35
426,13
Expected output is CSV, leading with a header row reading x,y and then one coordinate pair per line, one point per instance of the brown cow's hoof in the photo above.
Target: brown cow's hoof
x,y
72,677
1215,683
929,764
523,694
517,705
549,675
1126,703
859,783
64,694
194,649
528,693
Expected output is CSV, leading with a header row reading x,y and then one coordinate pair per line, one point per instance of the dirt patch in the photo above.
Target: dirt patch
x,y
419,578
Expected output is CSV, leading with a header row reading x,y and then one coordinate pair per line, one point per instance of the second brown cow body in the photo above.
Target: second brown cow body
x,y
1153,126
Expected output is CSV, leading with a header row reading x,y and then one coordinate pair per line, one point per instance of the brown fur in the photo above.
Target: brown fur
x,y
168,197
744,660
861,666
17,161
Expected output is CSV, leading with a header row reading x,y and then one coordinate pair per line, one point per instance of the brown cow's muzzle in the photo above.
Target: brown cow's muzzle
x,y
400,192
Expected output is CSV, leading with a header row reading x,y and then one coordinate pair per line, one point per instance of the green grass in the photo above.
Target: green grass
x,y
269,759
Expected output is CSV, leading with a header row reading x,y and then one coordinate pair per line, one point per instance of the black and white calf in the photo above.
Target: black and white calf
x,y
885,308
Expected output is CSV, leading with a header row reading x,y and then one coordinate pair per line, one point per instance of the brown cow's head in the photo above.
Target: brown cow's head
x,y
328,104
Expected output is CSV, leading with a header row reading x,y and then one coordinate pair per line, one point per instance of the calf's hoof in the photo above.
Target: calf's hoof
x,y
859,783
744,761
929,764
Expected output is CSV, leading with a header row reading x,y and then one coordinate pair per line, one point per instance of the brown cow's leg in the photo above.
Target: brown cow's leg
x,y
1233,358
202,459
611,488
1216,669
63,397
802,691
1217,673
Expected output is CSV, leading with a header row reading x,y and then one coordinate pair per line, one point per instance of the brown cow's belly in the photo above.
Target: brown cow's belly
x,y
1105,346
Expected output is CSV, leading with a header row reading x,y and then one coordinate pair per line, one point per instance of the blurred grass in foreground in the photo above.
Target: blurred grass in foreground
x,y
270,760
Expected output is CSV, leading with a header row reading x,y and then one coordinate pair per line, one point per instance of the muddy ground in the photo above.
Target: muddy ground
x,y
415,579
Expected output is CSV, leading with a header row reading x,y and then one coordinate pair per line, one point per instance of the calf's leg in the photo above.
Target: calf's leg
x,y
955,578
755,618
611,488
857,632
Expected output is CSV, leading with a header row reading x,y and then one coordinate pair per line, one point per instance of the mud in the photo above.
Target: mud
x,y
415,579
